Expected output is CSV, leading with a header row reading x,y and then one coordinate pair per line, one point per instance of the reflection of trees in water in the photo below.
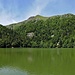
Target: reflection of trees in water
x,y
72,53
30,58
39,61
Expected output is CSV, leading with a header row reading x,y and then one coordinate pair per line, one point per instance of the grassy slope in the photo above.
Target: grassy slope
x,y
16,25
37,17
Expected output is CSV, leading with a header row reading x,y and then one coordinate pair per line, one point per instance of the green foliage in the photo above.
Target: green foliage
x,y
41,32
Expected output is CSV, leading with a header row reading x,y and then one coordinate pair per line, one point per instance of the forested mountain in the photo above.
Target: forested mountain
x,y
40,32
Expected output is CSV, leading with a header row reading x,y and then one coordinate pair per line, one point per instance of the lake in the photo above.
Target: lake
x,y
37,61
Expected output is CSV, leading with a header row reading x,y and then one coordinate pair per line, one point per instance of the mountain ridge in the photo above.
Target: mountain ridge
x,y
37,17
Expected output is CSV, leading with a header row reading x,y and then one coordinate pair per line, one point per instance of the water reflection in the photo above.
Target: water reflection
x,y
37,61
11,71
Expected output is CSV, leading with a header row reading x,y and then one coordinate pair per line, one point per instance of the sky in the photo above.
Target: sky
x,y
13,11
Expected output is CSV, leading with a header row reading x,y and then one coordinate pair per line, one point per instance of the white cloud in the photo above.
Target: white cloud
x,y
37,7
5,17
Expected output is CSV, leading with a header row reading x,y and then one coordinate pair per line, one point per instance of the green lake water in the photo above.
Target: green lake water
x,y
40,61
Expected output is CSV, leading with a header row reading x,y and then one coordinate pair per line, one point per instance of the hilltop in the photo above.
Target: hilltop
x,y
32,18
44,32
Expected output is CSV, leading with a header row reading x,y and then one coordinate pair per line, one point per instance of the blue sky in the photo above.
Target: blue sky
x,y
13,11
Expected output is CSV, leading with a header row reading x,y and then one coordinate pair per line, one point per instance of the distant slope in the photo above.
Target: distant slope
x,y
16,25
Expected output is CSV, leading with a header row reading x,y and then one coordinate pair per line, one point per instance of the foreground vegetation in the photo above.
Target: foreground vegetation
x,y
41,32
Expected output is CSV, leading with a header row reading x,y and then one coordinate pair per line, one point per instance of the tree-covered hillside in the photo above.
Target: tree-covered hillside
x,y
42,32
7,37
